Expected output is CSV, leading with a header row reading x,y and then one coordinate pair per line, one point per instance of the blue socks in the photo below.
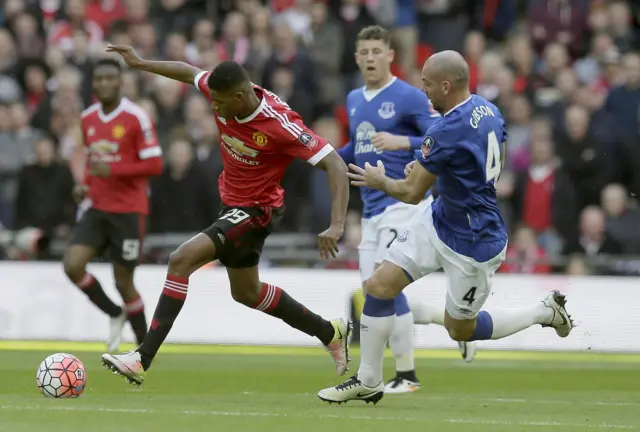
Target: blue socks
x,y
378,308
484,327
402,307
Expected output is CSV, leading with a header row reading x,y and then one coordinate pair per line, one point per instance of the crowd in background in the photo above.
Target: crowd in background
x,y
565,73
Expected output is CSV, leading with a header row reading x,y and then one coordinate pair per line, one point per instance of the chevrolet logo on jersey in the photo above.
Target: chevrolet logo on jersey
x,y
238,146
103,147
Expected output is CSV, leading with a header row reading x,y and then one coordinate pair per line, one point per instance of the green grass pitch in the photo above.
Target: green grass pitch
x,y
246,389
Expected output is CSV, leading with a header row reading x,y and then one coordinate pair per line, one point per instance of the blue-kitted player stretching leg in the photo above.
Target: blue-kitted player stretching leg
x,y
388,119
462,232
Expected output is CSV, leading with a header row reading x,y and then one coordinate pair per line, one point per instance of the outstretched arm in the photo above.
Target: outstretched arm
x,y
410,190
178,71
336,169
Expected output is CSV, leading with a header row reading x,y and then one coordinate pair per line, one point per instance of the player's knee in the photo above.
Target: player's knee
x,y
180,262
246,294
459,331
127,290
73,268
375,288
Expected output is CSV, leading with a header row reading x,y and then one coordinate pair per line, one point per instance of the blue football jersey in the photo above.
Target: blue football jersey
x,y
399,109
464,148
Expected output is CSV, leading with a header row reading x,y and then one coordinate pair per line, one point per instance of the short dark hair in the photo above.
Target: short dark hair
x,y
374,32
226,76
108,62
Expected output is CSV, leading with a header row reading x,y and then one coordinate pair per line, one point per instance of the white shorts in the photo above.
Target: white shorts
x,y
381,230
419,252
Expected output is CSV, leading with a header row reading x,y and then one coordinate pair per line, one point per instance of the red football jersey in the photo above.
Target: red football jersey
x,y
257,150
121,137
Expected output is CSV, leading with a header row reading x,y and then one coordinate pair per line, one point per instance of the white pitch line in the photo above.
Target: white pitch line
x,y
316,416
488,399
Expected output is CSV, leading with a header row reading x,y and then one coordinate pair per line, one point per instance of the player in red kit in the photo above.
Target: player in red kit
x,y
122,153
259,137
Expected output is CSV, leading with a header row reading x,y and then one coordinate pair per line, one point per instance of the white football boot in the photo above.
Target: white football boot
x,y
561,321
352,389
400,385
468,350
339,346
116,325
128,365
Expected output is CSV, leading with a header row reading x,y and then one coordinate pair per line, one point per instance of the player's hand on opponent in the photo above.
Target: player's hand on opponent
x,y
80,193
99,169
408,167
370,176
328,241
128,54
384,141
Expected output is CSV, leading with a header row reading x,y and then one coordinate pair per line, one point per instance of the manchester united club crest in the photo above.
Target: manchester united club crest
x,y
260,139
427,143
118,131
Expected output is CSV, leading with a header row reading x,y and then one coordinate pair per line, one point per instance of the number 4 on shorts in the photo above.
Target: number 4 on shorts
x,y
470,296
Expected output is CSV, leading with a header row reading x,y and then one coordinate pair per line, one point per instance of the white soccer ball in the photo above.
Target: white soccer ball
x,y
61,376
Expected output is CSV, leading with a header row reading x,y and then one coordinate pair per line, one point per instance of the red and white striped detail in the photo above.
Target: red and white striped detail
x,y
286,124
134,307
269,298
86,281
176,289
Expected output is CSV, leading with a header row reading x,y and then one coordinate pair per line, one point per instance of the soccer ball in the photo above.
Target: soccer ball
x,y
61,376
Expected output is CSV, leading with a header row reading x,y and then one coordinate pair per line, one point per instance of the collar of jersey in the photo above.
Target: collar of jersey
x,y
376,92
106,118
458,106
254,114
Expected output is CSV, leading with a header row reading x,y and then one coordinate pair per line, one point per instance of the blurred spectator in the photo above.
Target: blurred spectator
x,y
182,198
261,49
202,40
524,255
559,21
169,103
585,158
620,25
287,56
196,110
326,49
44,197
474,49
234,44
24,136
298,18
623,103
29,41
352,17
543,197
75,19
593,239
622,220
518,116
208,149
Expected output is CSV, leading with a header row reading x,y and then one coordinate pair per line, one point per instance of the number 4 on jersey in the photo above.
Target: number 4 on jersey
x,y
494,157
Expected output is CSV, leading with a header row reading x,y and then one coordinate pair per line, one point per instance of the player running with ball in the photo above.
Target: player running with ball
x,y
259,137
388,120
461,232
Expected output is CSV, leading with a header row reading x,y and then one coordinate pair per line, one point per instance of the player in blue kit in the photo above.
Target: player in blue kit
x,y
462,232
388,119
